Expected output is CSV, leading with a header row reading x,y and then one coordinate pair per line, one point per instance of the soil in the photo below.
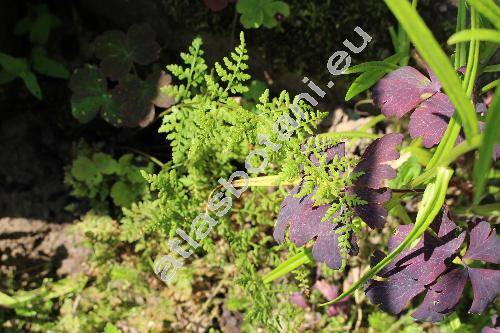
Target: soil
x,y
32,250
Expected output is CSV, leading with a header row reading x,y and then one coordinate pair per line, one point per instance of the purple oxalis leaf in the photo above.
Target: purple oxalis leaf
x,y
372,161
442,296
304,219
305,224
405,90
402,91
414,269
485,286
216,5
430,119
298,299
428,266
373,213
484,244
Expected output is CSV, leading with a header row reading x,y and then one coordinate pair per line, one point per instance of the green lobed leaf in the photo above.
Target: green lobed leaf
x,y
13,65
255,13
90,96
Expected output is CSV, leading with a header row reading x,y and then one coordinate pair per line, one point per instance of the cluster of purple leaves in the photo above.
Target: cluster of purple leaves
x,y
305,218
330,292
406,90
115,89
429,268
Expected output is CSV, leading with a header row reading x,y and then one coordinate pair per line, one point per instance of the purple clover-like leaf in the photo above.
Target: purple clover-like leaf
x,y
414,269
373,161
484,244
485,286
394,293
402,91
135,98
376,171
428,267
430,119
373,213
118,51
442,296
406,90
304,220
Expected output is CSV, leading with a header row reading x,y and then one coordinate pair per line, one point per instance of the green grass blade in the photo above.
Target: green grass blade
x,y
491,136
432,201
485,35
492,68
289,265
488,9
437,60
490,86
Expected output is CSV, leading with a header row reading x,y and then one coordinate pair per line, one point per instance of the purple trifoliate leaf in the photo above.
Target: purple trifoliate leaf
x,y
417,268
402,90
484,244
442,296
373,213
305,224
430,119
394,293
485,286
373,161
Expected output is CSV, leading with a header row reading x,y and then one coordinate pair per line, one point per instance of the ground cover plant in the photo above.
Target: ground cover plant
x,y
210,199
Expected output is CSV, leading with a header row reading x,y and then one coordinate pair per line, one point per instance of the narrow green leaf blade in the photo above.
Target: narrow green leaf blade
x,y
364,82
491,136
488,9
485,35
370,66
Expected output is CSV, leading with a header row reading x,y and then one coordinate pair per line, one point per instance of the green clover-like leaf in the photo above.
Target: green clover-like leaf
x,y
255,13
119,51
90,96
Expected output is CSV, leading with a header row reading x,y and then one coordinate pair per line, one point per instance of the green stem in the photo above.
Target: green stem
x,y
301,258
349,134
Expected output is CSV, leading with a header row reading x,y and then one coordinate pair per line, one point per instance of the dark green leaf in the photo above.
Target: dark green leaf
x,y
364,82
